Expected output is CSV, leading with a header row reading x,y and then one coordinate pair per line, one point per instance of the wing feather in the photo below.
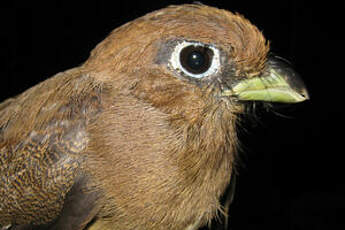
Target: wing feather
x,y
42,138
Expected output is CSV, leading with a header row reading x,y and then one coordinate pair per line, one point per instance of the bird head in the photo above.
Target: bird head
x,y
183,72
182,59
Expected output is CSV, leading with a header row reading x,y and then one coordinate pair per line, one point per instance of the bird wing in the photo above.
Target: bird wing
x,y
42,140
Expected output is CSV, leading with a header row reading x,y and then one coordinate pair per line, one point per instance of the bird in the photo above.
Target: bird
x,y
143,134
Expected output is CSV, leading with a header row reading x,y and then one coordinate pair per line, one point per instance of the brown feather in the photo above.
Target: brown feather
x,y
160,149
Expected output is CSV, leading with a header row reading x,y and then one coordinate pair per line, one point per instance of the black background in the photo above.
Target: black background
x,y
293,176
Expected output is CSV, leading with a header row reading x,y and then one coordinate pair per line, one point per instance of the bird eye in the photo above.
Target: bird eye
x,y
195,59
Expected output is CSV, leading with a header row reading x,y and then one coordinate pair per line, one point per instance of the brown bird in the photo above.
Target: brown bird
x,y
143,134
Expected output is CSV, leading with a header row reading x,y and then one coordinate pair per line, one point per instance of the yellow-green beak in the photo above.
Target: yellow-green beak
x,y
279,83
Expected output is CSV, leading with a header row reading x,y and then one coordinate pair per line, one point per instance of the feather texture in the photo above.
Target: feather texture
x,y
123,141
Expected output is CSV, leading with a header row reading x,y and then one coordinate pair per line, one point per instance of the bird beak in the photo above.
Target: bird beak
x,y
279,83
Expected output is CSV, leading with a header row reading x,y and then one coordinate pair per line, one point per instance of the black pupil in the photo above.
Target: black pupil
x,y
196,59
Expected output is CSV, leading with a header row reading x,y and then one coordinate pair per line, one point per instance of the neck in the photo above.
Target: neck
x,y
206,161
210,143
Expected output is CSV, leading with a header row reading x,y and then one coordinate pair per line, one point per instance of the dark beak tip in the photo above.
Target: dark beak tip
x,y
305,94
285,68
298,84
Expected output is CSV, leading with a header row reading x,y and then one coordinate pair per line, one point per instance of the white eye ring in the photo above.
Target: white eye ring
x,y
175,59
